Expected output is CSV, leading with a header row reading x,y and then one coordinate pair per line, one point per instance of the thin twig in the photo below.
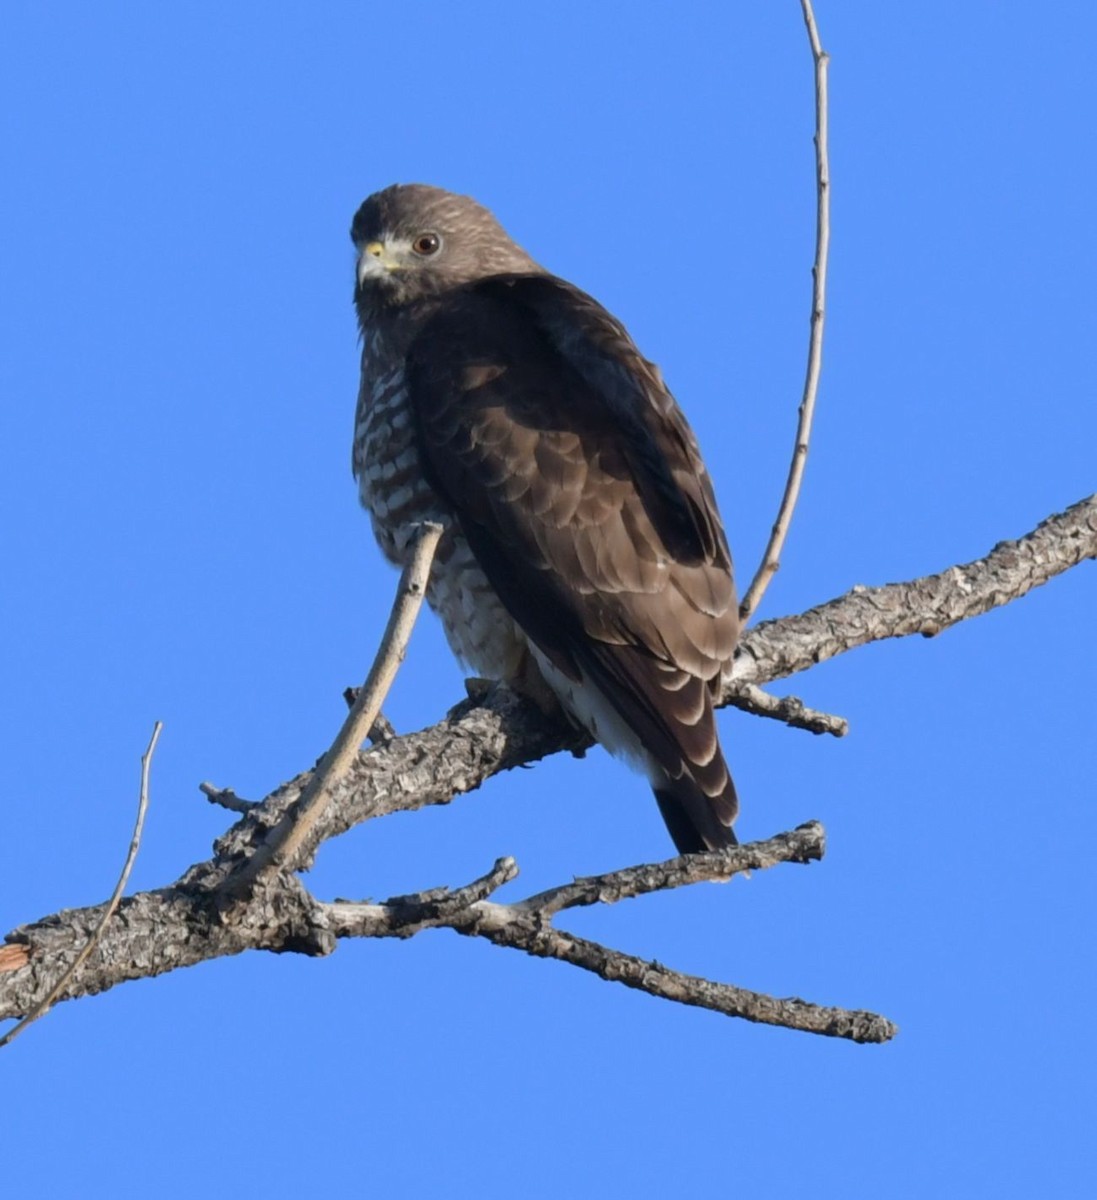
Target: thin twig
x,y
402,916
806,843
748,697
44,1005
771,560
443,902
226,798
285,841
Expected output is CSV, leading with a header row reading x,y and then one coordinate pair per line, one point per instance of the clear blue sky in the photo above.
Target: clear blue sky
x,y
181,540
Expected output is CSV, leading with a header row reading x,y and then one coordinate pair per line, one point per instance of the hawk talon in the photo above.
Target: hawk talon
x,y
478,689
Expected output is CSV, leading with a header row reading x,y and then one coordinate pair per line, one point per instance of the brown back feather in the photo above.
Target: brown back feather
x,y
580,488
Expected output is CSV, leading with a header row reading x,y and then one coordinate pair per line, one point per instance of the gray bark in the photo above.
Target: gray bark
x,y
191,920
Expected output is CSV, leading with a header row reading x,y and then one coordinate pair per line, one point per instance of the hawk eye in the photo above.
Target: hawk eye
x,y
427,244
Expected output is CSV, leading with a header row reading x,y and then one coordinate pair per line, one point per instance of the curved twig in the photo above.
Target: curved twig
x,y
283,844
46,1003
771,559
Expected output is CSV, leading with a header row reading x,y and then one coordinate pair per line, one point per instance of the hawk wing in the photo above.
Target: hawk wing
x,y
581,491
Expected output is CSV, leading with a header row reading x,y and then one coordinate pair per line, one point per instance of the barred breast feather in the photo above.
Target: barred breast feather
x,y
393,490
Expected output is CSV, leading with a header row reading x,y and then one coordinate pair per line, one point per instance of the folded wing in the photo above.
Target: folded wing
x,y
580,489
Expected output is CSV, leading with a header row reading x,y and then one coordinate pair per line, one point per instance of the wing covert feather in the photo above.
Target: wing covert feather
x,y
581,490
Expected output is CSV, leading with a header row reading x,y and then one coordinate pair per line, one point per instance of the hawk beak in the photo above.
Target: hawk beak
x,y
375,260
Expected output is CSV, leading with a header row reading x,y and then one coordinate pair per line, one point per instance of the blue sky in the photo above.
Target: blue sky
x,y
181,541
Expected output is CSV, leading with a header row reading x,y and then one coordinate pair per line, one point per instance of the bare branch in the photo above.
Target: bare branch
x,y
771,559
43,1006
661,981
402,916
806,843
181,924
791,709
526,926
285,842
225,798
928,605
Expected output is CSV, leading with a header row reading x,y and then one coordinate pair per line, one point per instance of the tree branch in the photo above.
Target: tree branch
x,y
791,709
771,559
181,925
661,981
775,649
403,916
804,844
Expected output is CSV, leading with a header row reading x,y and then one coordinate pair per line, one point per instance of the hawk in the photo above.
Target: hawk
x,y
582,548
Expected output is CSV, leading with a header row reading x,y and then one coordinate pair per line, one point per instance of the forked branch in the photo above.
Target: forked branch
x,y
180,925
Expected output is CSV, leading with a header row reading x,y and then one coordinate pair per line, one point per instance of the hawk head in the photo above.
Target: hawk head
x,y
415,241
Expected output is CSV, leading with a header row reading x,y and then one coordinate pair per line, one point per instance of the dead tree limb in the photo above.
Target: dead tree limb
x,y
775,649
182,924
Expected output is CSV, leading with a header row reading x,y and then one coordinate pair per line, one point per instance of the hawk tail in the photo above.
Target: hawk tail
x,y
661,719
699,806
694,789
670,713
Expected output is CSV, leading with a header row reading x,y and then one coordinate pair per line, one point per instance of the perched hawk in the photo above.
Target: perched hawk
x,y
583,549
